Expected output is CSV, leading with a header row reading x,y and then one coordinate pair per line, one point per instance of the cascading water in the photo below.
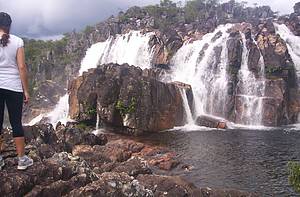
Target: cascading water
x,y
292,42
188,113
60,112
197,64
92,55
251,91
131,48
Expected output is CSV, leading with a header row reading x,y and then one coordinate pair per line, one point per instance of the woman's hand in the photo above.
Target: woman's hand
x,y
23,73
26,97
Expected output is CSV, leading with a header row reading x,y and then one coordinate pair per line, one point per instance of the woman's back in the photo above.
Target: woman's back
x,y
9,72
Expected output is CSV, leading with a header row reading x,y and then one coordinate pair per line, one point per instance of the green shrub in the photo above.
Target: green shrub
x,y
92,111
123,109
294,175
82,126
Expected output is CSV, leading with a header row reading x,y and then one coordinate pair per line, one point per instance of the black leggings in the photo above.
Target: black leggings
x,y
14,103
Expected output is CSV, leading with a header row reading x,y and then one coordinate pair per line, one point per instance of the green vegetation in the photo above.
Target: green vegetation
x,y
272,70
92,111
36,52
294,175
82,126
165,15
123,109
197,10
88,29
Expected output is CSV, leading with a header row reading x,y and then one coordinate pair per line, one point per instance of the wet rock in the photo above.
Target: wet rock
x,y
122,167
165,161
133,167
208,192
211,122
122,97
71,136
164,46
235,50
277,60
168,186
59,188
56,171
113,184
254,58
297,8
275,103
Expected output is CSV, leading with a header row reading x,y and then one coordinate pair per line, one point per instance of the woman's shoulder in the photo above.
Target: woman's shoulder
x,y
16,39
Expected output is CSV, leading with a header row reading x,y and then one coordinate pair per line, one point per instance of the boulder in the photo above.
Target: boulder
x,y
275,103
164,46
235,50
168,186
122,96
297,8
211,122
278,62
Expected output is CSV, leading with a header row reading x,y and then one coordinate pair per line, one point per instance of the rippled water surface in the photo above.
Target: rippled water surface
x,y
250,160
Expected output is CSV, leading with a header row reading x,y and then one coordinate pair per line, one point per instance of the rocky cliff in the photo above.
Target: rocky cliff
x,y
174,26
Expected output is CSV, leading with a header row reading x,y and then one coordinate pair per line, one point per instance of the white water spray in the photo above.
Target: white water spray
x,y
292,42
188,113
197,64
131,48
251,91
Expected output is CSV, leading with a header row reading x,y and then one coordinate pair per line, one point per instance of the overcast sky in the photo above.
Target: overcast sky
x,y
43,18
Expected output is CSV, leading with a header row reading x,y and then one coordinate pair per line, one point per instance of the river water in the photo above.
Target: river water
x,y
249,160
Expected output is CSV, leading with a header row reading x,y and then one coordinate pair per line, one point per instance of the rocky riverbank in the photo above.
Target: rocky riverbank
x,y
70,161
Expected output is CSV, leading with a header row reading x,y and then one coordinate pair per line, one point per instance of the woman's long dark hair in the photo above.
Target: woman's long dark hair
x,y
5,37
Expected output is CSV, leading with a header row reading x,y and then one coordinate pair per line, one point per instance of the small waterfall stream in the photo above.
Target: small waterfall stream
x,y
188,112
292,42
251,90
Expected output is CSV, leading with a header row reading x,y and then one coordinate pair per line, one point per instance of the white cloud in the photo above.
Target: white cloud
x,y
283,6
37,18
49,17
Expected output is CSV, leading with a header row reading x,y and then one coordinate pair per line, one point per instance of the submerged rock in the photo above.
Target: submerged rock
x,y
211,122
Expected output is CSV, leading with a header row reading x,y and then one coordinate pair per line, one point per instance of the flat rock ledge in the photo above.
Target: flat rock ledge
x,y
72,162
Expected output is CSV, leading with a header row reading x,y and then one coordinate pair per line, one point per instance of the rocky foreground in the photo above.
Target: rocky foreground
x,y
72,162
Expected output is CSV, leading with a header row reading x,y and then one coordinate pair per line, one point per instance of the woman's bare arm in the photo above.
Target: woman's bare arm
x,y
23,72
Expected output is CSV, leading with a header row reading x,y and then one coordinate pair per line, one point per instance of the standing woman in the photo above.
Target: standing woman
x,y
13,87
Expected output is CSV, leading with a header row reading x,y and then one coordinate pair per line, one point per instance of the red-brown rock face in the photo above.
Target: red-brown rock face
x,y
124,96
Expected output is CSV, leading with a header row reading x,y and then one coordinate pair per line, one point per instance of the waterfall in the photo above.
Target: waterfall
x,y
97,122
292,42
251,90
92,55
60,112
188,113
131,48
198,64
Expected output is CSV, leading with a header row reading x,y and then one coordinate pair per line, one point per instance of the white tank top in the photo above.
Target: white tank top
x,y
9,70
